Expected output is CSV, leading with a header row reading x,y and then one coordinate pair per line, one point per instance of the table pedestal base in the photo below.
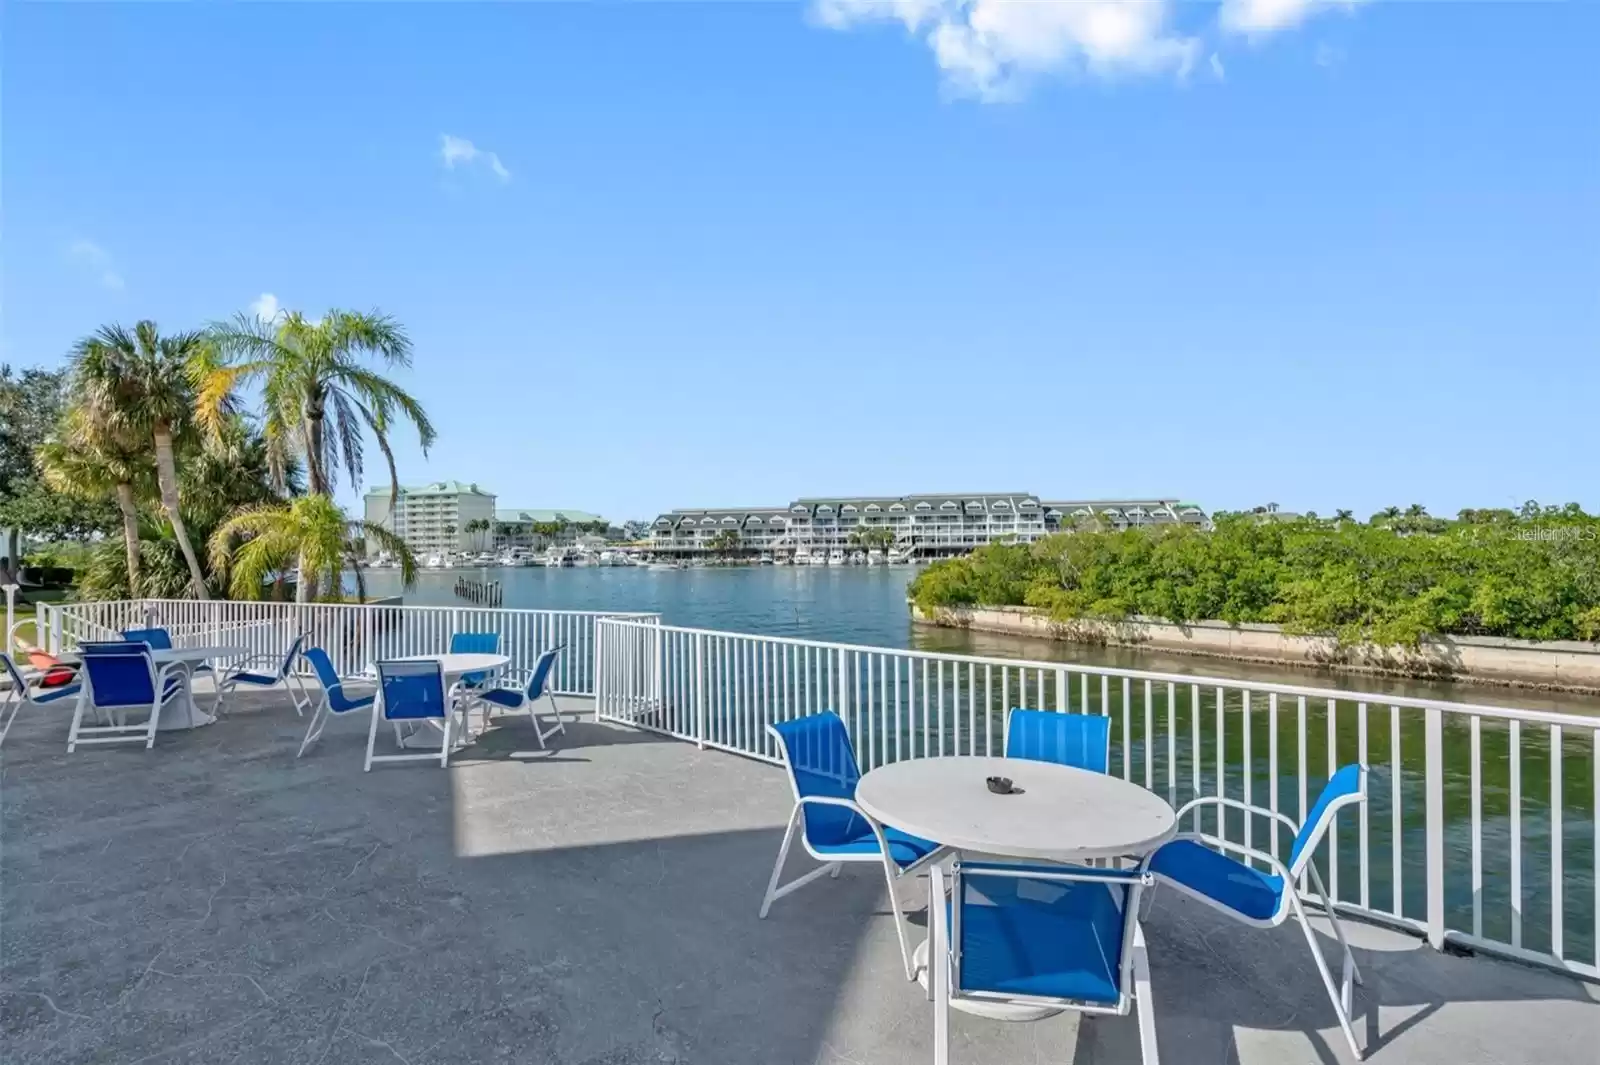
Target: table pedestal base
x,y
994,1011
183,713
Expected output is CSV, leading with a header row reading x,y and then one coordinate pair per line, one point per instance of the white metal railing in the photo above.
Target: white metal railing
x,y
355,635
1480,827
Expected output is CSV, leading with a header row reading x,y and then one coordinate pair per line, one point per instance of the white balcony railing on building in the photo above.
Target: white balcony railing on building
x,y
354,635
1479,831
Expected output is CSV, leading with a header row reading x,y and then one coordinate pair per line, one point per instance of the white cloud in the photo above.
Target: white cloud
x,y
458,151
991,48
1217,70
97,261
1328,56
1257,18
265,307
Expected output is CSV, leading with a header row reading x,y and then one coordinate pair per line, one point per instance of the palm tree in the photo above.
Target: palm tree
x,y
1342,516
257,542
1385,516
138,386
79,462
450,535
317,394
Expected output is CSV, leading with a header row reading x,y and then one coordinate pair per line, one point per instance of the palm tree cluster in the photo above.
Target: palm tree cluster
x,y
160,424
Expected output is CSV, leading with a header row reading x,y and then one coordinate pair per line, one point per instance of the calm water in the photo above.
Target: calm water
x,y
867,605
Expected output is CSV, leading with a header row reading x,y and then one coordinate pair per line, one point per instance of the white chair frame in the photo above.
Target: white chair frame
x,y
834,863
528,706
117,730
442,756
24,693
271,665
1133,975
1289,903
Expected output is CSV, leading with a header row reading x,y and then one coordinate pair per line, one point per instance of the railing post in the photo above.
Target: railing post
x,y
1433,779
657,682
55,629
369,634
11,614
599,666
700,690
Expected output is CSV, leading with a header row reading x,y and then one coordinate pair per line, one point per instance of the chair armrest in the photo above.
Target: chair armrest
x,y
1235,804
1278,867
170,670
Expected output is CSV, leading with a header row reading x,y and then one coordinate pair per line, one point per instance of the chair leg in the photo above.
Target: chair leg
x,y
777,868
939,972
314,729
1144,1000
1350,972
561,722
444,746
890,874
155,718
1327,978
372,736
77,720
15,704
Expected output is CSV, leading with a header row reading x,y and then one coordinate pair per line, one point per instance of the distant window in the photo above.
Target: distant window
x,y
1000,504
898,508
797,509
873,508
924,506
824,509
777,520
946,505
1028,504
753,520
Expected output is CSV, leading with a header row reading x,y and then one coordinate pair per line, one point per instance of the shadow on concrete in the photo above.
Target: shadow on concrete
x,y
217,900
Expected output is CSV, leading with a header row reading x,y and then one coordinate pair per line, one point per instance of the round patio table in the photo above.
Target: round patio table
x,y
453,667
1057,813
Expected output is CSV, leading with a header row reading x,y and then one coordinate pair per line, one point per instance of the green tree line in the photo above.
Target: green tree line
x,y
1531,574
204,462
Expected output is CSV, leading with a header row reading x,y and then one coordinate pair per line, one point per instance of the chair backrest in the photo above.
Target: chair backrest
x,y
475,643
1104,902
821,761
293,653
540,676
120,673
14,676
160,639
411,690
328,677
1347,786
1080,740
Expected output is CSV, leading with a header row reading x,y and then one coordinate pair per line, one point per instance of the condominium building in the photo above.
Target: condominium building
x,y
538,529
432,518
918,526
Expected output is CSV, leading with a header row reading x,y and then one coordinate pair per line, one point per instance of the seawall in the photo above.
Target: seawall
x,y
1558,664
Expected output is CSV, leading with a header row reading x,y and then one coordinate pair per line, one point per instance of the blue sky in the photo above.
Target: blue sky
x,y
1319,254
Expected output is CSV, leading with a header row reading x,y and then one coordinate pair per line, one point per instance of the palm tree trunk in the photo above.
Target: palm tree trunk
x,y
130,537
303,591
316,475
167,475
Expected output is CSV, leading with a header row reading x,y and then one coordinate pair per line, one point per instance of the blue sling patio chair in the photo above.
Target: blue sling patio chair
x,y
1039,936
823,774
520,691
121,676
334,702
473,643
1079,740
412,693
1193,863
280,670
34,691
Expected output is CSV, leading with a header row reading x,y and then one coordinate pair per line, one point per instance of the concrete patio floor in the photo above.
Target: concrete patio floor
x,y
216,900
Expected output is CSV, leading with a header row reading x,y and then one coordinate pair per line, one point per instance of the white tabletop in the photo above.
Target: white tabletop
x,y
454,665
1062,813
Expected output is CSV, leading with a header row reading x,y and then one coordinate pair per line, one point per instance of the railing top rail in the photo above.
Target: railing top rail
x,y
1548,717
622,614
